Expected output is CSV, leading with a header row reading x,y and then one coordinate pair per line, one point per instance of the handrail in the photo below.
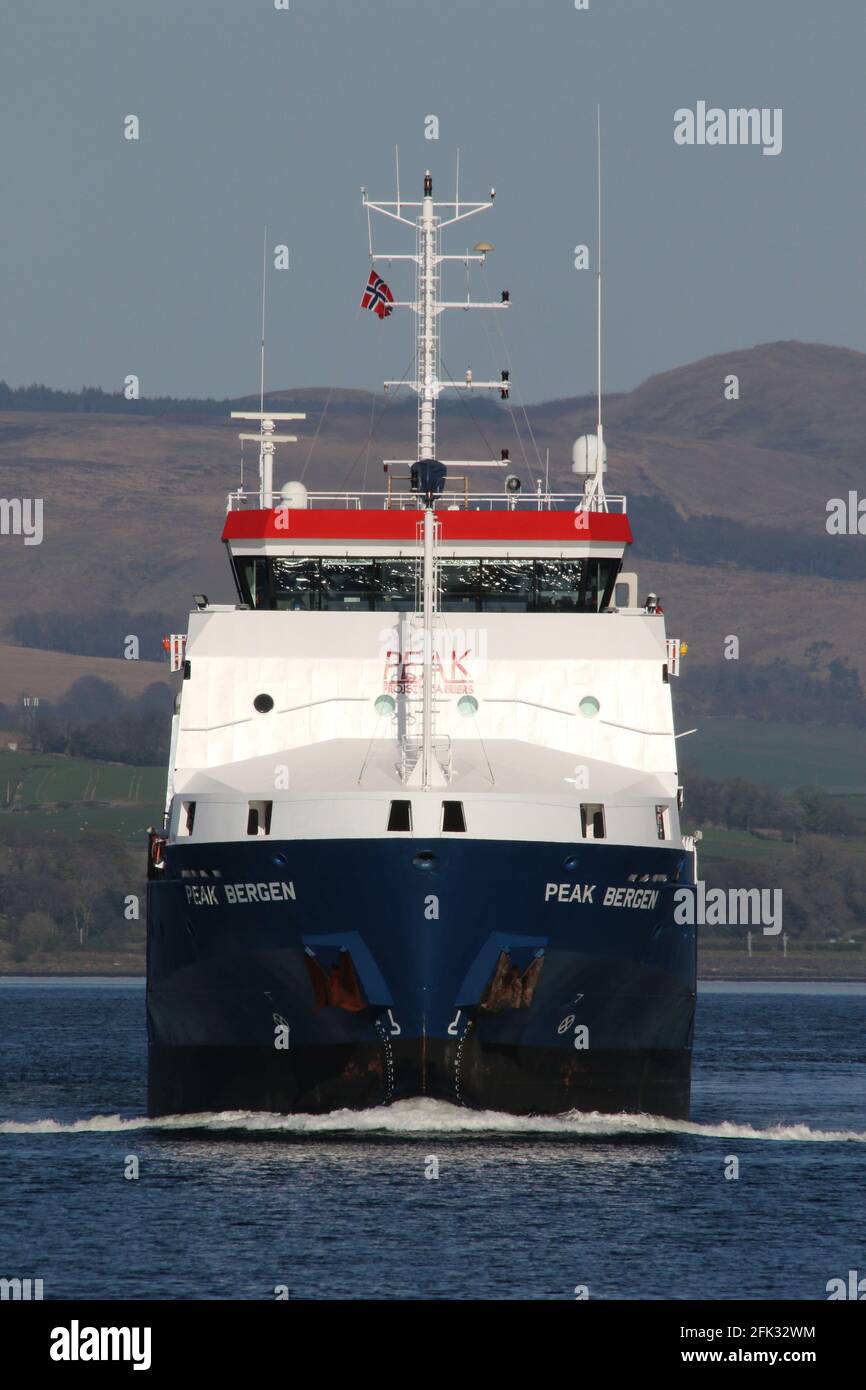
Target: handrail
x,y
572,714
461,500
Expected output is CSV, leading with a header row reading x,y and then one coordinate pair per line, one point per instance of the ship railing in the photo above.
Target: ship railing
x,y
450,500
241,501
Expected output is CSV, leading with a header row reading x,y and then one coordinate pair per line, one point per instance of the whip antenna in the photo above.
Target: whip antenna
x,y
600,447
264,289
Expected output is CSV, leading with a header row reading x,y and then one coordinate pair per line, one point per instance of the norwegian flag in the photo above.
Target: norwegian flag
x,y
377,296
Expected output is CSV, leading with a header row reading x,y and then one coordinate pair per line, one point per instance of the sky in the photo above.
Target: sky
x,y
144,257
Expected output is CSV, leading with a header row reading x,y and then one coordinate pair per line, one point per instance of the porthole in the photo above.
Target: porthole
x,y
263,703
589,707
424,861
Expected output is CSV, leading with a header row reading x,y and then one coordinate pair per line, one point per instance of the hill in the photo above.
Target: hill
x,y
728,498
24,671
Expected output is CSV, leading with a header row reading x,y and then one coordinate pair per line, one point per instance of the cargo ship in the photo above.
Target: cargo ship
x,y
422,831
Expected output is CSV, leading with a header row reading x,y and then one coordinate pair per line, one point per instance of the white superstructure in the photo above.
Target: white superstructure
x,y
537,703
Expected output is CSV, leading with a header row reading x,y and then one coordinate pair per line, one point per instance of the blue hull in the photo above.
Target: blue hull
x,y
520,976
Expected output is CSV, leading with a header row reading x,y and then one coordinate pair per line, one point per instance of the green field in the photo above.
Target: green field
x,y
743,847
130,823
783,755
72,796
37,779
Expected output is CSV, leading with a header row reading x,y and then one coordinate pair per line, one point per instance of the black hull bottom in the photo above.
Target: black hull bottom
x,y
520,1080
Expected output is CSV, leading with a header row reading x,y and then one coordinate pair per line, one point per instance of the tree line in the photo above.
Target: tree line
x,y
735,804
96,720
60,894
93,400
101,632
663,534
778,690
823,884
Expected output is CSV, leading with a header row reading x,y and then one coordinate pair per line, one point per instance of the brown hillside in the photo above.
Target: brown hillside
x,y
28,671
134,504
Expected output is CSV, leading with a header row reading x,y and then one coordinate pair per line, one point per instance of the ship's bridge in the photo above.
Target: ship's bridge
x,y
348,552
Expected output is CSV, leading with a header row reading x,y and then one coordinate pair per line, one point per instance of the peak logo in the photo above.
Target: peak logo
x,y
77,1343
404,672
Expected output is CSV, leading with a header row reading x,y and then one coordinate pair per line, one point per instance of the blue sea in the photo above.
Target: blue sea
x,y
348,1205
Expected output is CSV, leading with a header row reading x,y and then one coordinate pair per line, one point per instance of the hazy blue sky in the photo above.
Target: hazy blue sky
x,y
122,257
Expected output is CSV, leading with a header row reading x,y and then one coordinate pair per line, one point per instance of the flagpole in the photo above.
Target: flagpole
x,y
264,285
599,447
264,500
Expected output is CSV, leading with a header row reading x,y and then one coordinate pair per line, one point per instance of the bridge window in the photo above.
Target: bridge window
x,y
396,584
507,585
559,584
295,583
348,584
253,581
460,585
186,818
364,584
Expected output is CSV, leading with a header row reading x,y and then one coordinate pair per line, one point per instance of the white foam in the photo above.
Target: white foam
x,y
424,1117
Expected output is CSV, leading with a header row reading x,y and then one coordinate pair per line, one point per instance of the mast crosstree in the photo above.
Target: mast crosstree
x,y
429,221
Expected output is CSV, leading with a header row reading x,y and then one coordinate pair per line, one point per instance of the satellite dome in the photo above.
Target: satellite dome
x,y
584,455
293,496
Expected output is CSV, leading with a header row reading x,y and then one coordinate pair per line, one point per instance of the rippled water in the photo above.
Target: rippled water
x,y
232,1206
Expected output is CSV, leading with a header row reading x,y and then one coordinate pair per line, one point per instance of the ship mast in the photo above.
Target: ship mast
x,y
589,458
427,295
428,223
